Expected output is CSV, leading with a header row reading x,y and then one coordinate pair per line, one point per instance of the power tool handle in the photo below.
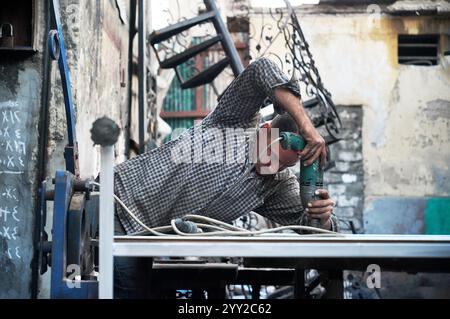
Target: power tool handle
x,y
316,222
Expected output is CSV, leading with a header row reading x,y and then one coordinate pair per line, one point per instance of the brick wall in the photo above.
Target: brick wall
x,y
346,180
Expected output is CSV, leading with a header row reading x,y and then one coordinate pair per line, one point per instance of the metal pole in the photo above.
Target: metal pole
x,y
105,133
132,35
227,41
106,223
142,75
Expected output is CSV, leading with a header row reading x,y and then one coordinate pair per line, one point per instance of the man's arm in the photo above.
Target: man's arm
x,y
240,103
242,100
316,146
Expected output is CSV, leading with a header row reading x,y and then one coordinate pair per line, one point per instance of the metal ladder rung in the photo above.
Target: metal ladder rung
x,y
170,31
189,53
207,75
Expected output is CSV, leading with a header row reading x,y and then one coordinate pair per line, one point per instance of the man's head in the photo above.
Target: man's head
x,y
286,158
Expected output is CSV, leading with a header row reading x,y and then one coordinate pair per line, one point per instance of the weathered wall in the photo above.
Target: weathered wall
x,y
21,77
405,137
346,180
406,127
97,53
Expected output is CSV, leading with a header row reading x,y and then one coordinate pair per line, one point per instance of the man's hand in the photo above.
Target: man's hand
x,y
322,208
315,148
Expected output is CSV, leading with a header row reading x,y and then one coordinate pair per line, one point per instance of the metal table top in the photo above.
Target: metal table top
x,y
345,246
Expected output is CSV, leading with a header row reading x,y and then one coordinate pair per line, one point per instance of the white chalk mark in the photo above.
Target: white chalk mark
x,y
5,117
4,213
15,233
18,134
6,132
17,253
16,116
14,213
12,117
7,193
9,253
9,146
9,104
11,173
10,162
21,162
20,147
6,232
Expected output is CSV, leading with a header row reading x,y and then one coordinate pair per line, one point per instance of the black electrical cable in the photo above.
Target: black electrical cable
x,y
42,152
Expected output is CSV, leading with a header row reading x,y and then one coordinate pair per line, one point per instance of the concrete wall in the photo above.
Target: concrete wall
x,y
21,79
406,124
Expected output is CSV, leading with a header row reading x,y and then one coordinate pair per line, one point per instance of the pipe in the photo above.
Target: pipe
x,y
132,34
106,225
227,41
42,152
142,75
105,133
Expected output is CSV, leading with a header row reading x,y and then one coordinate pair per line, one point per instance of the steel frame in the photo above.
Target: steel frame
x,y
347,246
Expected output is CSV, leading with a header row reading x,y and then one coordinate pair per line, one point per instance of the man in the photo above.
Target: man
x,y
208,171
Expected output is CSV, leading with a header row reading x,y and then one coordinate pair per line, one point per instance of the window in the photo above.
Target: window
x,y
418,49
17,25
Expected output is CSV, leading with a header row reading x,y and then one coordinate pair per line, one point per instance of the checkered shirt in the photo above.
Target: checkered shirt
x,y
175,180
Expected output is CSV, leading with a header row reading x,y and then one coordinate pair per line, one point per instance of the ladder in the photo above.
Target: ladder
x,y
212,15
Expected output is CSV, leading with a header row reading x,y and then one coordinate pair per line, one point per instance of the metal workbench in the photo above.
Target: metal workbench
x,y
347,246
412,253
420,249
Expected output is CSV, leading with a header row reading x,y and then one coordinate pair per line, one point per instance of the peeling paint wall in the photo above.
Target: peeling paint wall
x,y
97,54
402,144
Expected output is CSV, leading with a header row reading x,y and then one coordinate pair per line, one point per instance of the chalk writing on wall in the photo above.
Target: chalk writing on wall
x,y
13,154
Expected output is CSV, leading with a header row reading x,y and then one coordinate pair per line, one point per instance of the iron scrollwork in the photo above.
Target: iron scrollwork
x,y
297,61
305,69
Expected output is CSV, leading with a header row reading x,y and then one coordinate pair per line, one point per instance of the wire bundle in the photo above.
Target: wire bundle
x,y
201,226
